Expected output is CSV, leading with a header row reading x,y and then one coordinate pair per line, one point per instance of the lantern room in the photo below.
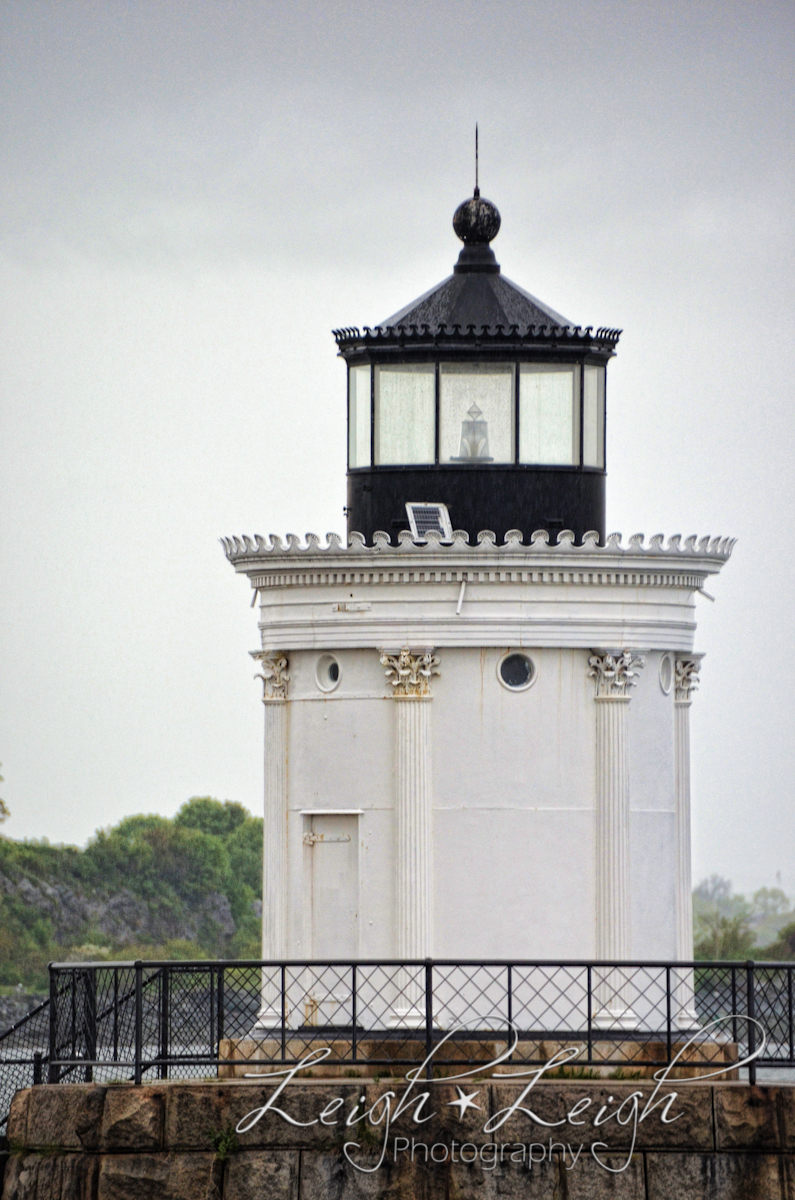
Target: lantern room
x,y
479,397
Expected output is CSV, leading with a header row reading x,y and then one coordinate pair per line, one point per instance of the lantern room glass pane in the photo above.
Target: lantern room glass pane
x,y
405,414
593,412
549,414
476,413
359,417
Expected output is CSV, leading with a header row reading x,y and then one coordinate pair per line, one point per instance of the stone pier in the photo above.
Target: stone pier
x,y
176,1141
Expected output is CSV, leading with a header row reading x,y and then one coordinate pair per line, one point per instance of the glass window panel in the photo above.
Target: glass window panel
x,y
359,417
549,414
593,406
476,413
405,414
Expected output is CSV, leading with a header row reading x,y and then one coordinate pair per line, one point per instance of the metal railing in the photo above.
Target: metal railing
x,y
23,1054
179,1020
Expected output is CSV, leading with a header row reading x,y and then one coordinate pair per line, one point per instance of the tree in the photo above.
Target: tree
x,y
219,819
715,895
719,937
721,921
783,949
4,811
771,901
714,890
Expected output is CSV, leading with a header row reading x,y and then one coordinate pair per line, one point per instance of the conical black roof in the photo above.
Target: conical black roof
x,y
477,299
476,293
476,304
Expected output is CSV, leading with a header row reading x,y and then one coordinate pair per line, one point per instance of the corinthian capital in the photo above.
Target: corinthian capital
x,y
410,674
685,679
274,674
614,673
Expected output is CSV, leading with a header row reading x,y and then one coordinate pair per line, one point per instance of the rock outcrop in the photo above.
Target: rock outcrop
x,y
121,917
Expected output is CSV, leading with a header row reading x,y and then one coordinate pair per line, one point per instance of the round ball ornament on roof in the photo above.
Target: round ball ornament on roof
x,y
476,221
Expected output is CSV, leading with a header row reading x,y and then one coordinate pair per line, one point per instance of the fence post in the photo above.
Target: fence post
x,y
283,982
139,1020
353,1013
163,1048
73,1010
668,1014
751,1006
510,997
213,1040
90,977
38,1074
53,1072
221,999
589,1015
789,1011
428,1016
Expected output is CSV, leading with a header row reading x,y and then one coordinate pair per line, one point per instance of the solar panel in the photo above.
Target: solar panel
x,y
424,516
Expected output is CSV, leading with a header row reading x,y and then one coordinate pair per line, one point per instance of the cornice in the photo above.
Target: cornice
x,y
681,563
352,339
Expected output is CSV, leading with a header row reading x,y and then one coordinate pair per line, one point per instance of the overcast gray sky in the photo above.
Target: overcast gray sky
x,y
192,195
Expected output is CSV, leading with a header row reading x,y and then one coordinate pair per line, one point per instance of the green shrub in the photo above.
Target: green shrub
x,y
211,846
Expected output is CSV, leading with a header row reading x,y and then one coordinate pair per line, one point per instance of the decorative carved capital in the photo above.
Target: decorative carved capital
x,y
615,674
685,679
274,674
410,674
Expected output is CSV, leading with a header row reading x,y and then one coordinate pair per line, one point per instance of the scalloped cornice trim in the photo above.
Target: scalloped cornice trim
x,y
693,547
392,334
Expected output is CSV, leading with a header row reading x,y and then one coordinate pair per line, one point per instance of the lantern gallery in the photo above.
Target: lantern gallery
x,y
477,702
482,393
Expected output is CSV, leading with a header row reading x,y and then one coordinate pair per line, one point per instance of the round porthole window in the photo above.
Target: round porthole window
x,y
327,673
516,671
666,673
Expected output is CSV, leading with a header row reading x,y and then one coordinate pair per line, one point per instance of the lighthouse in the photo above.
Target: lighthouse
x,y
477,701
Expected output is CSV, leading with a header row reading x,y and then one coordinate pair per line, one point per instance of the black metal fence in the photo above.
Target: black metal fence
x,y
23,1054
178,1020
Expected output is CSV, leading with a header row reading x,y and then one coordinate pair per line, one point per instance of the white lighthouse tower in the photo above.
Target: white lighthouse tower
x,y
477,703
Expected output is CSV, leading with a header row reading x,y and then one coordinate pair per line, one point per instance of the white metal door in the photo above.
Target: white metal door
x,y
335,886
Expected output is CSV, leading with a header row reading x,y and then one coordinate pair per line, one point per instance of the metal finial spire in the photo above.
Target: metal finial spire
x,y
477,188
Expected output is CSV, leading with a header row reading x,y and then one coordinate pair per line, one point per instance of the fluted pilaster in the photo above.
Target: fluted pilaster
x,y
274,874
410,676
612,829
413,828
686,682
274,857
615,673
684,895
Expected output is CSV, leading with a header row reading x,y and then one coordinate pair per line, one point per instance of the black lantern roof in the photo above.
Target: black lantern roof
x,y
477,304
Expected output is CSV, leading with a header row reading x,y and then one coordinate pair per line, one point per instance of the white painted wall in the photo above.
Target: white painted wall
x,y
514,787
513,804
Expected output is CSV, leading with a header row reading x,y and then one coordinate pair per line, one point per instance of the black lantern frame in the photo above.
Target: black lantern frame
x,y
495,495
